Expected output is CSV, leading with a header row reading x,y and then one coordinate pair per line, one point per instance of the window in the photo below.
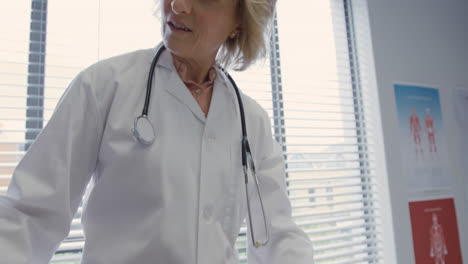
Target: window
x,y
311,198
311,86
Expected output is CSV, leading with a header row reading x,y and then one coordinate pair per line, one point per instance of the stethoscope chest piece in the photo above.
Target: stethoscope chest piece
x,y
143,130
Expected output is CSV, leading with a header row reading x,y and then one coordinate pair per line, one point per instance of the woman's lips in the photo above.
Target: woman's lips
x,y
177,27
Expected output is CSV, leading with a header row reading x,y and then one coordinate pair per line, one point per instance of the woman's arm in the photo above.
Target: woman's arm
x,y
48,184
287,243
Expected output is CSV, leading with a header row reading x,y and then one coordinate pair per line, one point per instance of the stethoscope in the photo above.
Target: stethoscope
x,y
143,131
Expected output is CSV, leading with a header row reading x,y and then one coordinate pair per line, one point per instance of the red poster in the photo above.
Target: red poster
x,y
435,232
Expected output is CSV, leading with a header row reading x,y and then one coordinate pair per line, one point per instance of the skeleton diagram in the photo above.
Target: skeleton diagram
x,y
415,128
438,246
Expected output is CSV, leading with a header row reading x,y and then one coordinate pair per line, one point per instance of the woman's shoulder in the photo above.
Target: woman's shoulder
x,y
253,108
107,75
122,62
112,79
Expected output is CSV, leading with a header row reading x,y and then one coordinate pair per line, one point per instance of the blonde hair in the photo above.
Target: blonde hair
x,y
252,42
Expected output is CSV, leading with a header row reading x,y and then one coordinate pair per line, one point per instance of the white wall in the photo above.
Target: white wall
x,y
420,42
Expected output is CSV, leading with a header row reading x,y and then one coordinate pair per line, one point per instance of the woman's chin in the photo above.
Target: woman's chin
x,y
177,47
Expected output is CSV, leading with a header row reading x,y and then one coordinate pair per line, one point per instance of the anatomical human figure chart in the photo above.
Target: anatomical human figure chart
x,y
422,138
435,232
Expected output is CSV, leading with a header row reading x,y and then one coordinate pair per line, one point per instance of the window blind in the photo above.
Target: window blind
x,y
325,130
313,86
14,40
319,104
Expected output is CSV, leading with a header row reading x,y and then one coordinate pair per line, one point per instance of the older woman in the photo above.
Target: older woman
x,y
174,192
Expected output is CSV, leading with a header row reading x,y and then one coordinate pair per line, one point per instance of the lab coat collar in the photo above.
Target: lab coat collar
x,y
181,93
165,60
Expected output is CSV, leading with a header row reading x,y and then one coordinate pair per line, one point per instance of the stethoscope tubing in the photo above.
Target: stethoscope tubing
x,y
150,81
247,159
245,141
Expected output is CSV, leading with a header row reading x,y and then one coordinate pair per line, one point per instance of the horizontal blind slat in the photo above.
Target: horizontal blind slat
x,y
367,250
329,204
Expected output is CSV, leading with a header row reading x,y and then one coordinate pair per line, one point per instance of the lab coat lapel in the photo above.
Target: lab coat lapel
x,y
176,87
219,100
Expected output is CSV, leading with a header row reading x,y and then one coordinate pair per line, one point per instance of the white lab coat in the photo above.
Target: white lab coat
x,y
179,200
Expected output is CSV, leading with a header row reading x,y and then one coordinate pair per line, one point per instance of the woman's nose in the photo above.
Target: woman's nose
x,y
181,6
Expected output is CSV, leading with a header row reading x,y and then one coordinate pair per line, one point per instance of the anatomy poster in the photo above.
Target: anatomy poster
x,y
435,232
422,138
460,103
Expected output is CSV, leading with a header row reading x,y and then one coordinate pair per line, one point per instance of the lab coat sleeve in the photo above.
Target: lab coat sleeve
x,y
287,242
48,183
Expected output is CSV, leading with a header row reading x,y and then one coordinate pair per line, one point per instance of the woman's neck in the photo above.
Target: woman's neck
x,y
196,70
